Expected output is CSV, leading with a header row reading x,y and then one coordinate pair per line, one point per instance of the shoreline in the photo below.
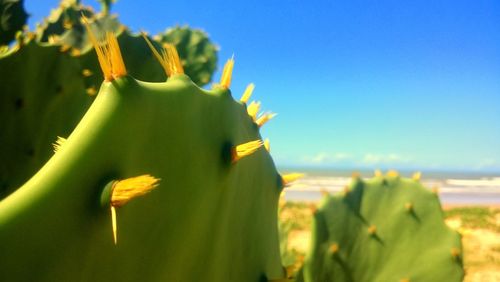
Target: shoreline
x,y
443,206
451,199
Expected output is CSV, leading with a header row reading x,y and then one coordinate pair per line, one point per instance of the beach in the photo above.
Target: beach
x,y
454,189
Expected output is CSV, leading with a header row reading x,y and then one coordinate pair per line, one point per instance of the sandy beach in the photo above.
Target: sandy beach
x,y
481,243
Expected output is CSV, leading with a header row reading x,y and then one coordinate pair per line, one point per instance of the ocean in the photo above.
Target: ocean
x,y
455,188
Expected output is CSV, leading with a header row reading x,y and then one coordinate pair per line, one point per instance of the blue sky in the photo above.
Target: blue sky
x,y
356,84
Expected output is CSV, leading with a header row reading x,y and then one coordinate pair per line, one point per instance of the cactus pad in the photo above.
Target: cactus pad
x,y
64,26
213,216
387,228
49,83
38,105
198,55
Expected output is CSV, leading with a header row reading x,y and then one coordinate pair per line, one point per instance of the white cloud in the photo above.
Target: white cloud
x,y
373,159
487,163
324,157
361,159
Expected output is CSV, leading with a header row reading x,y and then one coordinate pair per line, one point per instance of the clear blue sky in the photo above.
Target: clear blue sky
x,y
399,84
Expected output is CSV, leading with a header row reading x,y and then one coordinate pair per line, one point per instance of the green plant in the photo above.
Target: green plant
x,y
384,229
198,54
212,218
65,28
46,92
50,78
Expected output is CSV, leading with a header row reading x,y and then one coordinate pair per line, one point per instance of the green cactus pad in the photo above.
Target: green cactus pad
x,y
209,220
64,26
45,92
47,85
198,54
384,229
43,95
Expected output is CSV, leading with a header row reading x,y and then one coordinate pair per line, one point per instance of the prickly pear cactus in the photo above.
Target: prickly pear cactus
x,y
198,55
44,93
64,26
387,228
211,210
53,101
49,83
12,19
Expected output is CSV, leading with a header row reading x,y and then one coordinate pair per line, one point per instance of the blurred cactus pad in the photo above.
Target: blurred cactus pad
x,y
50,78
387,228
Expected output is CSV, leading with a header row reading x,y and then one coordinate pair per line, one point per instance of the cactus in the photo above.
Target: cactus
x,y
37,105
64,27
198,54
12,19
45,92
387,228
213,216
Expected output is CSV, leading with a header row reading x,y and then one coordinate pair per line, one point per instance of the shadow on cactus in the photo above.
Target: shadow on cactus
x,y
210,213
12,19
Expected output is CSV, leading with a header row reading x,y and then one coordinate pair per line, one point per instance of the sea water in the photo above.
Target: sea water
x,y
455,188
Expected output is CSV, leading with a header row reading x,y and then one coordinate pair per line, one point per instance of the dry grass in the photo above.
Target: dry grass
x,y
480,227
